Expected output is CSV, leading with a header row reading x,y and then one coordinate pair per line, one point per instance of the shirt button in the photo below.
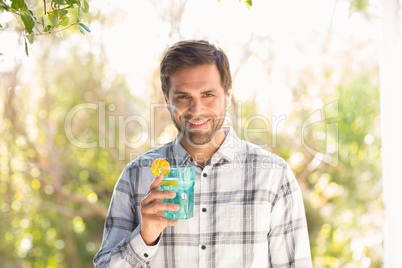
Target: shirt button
x,y
145,255
203,247
204,210
204,175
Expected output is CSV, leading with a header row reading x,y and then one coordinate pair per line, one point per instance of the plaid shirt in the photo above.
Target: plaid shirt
x,y
248,212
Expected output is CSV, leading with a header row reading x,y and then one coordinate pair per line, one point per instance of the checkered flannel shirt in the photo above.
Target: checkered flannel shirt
x,y
248,212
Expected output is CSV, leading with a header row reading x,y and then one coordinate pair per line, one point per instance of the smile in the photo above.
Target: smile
x,y
197,124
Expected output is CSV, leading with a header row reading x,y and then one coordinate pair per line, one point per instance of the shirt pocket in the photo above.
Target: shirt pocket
x,y
247,222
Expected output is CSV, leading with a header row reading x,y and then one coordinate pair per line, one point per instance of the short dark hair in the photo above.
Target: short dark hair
x,y
192,53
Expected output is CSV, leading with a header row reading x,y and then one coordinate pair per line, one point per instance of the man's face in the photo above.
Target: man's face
x,y
197,103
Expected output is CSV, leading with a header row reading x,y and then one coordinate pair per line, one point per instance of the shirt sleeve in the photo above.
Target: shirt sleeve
x,y
122,244
288,237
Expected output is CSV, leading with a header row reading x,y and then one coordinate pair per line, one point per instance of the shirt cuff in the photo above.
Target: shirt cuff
x,y
141,250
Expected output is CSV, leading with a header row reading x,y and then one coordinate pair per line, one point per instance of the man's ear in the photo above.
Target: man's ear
x,y
165,98
229,97
166,102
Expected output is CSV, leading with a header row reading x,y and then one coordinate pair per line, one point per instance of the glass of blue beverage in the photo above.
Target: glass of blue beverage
x,y
180,180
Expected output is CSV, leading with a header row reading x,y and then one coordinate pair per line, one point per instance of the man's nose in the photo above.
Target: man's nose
x,y
196,107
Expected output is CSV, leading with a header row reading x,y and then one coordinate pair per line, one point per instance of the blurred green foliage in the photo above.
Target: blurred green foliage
x,y
347,197
54,194
343,196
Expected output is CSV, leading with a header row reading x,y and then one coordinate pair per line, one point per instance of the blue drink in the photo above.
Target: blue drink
x,y
181,181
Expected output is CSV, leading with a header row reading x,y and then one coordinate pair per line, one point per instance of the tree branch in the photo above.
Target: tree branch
x,y
66,211
52,32
96,207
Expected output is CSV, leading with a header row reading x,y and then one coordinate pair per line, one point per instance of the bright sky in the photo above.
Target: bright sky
x,y
282,31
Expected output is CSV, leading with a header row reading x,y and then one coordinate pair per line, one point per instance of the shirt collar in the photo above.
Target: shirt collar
x,y
180,155
225,153
231,145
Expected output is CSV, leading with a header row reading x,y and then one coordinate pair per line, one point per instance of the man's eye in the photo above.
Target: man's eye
x,y
183,97
208,95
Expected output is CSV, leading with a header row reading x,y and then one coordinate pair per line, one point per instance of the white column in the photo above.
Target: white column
x,y
391,124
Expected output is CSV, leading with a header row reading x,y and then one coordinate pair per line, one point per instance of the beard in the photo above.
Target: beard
x,y
199,136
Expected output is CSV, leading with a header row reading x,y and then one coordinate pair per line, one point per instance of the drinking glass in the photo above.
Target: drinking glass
x,y
180,180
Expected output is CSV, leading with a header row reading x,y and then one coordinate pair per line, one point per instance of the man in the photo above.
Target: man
x,y
248,208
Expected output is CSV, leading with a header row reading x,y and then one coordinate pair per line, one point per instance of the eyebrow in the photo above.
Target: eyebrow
x,y
180,93
208,91
187,93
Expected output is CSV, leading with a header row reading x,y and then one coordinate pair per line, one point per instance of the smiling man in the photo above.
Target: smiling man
x,y
198,104
248,208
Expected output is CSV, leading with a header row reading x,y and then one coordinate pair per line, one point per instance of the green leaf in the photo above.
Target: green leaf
x,y
31,37
85,8
43,22
54,21
359,5
60,2
24,6
26,48
47,28
53,17
64,21
85,27
249,3
28,20
81,29
1,26
63,12
17,4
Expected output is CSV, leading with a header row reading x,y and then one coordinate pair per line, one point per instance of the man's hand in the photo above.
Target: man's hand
x,y
153,221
